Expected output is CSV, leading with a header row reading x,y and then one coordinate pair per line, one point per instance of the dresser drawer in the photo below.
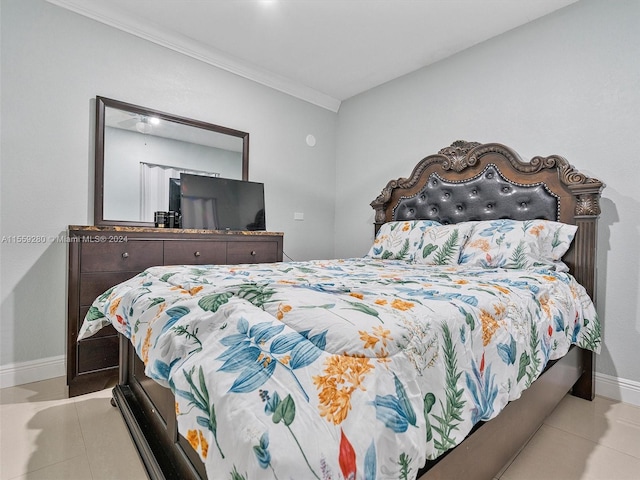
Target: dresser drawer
x,y
252,252
194,252
134,255
98,354
93,285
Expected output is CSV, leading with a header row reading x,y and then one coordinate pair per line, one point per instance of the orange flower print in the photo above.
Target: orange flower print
x,y
549,278
146,345
195,290
282,309
489,324
369,340
501,289
191,291
383,333
177,406
204,445
343,375
481,244
545,304
193,438
381,301
379,334
536,230
357,295
198,442
114,305
160,310
264,359
285,360
382,356
462,282
402,304
380,239
406,227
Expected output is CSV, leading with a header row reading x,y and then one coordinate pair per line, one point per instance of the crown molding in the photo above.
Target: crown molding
x,y
197,50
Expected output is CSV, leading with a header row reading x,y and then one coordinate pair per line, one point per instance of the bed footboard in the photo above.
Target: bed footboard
x,y
148,411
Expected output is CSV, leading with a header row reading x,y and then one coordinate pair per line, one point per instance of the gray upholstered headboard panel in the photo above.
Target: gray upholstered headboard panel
x,y
487,196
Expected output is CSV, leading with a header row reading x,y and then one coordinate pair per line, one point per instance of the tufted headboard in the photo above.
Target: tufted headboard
x,y
474,181
487,196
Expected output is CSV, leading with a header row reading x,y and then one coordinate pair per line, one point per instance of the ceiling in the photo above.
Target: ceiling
x,y
322,51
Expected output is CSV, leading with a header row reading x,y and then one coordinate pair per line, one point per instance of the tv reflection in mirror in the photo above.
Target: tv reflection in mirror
x,y
216,203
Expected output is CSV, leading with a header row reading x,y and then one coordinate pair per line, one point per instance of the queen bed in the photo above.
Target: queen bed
x,y
436,355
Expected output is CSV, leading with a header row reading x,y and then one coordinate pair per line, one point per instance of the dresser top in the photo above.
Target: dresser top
x,y
171,231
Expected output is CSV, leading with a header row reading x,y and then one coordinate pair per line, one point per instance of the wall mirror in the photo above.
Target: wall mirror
x,y
138,151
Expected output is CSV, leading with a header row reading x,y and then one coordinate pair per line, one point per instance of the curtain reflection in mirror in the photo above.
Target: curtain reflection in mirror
x,y
154,187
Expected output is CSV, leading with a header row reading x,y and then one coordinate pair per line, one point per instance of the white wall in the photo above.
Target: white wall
x,y
566,84
54,63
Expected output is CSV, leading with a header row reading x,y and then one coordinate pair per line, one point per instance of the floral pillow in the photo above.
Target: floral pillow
x,y
441,244
399,240
518,244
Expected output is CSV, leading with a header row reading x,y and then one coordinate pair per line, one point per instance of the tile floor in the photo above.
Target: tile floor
x,y
46,436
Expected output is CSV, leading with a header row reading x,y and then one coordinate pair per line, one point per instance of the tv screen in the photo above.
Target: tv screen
x,y
215,203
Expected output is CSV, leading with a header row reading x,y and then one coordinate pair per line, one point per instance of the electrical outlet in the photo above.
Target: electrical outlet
x,y
298,216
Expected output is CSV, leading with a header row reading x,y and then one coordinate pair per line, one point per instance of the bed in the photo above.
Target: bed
x,y
435,355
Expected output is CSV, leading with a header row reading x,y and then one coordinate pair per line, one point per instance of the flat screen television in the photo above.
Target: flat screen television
x,y
216,203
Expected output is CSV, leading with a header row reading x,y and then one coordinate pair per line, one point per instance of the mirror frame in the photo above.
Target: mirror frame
x,y
98,195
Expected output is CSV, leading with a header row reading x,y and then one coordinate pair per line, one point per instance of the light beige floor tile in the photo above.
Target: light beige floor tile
x,y
110,450
36,435
607,422
72,469
559,455
52,389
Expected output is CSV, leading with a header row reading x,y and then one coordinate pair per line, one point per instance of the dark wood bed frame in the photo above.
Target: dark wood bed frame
x,y
466,181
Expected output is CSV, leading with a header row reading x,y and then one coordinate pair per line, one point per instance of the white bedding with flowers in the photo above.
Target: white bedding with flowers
x,y
357,368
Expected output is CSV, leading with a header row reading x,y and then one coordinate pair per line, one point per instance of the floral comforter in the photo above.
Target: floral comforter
x,y
354,369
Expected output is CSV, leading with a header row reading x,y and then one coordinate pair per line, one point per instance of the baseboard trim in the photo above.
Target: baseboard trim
x,y
615,388
32,371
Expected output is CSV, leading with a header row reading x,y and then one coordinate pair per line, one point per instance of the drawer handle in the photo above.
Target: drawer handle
x,y
253,253
197,254
125,255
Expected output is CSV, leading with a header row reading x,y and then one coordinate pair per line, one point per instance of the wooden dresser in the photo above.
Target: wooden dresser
x,y
100,257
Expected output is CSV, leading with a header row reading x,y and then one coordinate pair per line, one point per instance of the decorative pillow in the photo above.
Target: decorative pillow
x,y
518,244
441,244
399,240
